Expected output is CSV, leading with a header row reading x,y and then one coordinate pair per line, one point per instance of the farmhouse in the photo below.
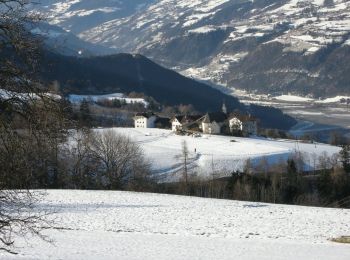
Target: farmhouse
x,y
176,123
212,123
185,122
145,120
246,124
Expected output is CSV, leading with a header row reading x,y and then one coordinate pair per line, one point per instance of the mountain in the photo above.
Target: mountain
x,y
77,16
263,46
63,42
127,73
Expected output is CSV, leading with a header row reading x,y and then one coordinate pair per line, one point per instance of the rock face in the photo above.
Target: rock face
x,y
264,46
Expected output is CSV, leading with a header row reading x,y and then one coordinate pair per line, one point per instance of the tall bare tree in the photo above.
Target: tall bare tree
x,y
30,126
119,158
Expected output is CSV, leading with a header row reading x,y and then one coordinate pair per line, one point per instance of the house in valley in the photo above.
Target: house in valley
x,y
212,123
145,120
186,122
245,124
176,123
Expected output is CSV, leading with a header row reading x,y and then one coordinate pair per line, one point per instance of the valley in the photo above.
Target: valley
x,y
320,118
230,43
175,129
264,46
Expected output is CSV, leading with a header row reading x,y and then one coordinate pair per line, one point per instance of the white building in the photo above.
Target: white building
x,y
186,122
176,123
244,123
212,123
145,120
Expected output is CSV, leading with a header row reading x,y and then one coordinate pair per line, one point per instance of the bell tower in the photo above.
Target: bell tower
x,y
224,108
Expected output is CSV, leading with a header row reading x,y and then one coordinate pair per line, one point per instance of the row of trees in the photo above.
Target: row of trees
x,y
285,182
104,160
76,159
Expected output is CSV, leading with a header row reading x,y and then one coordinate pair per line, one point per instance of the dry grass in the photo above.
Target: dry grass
x,y
342,239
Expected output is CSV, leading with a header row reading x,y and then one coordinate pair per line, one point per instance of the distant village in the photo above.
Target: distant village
x,y
221,122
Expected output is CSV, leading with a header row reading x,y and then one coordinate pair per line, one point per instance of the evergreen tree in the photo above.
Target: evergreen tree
x,y
85,114
291,185
345,158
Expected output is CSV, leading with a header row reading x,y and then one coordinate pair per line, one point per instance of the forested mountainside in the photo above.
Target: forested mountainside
x,y
264,46
134,73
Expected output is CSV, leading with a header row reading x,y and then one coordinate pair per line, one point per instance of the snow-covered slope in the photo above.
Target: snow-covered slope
x,y
124,225
272,45
219,154
80,15
60,41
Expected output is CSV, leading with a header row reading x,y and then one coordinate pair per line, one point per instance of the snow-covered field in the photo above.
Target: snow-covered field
x,y
292,98
124,225
220,154
256,98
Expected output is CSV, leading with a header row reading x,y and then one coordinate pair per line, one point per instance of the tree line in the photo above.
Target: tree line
x,y
286,182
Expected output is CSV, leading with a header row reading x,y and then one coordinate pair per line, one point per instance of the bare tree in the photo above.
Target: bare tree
x,y
19,216
119,158
29,126
81,166
184,156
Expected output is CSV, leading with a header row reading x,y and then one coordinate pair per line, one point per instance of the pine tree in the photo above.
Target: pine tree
x,y
85,114
291,187
345,158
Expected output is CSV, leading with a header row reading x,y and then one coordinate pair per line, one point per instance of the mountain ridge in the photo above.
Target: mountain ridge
x,y
260,46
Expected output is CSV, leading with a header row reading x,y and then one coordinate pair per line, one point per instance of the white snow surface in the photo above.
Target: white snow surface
x,y
292,98
125,225
336,99
216,153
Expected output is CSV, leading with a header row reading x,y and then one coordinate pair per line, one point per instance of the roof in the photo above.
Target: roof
x,y
187,119
178,118
218,117
164,121
191,118
242,117
146,115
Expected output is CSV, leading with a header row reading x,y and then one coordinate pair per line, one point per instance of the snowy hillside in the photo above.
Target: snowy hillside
x,y
123,225
287,45
79,15
60,41
220,154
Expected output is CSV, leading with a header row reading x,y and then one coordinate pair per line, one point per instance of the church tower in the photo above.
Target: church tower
x,y
224,108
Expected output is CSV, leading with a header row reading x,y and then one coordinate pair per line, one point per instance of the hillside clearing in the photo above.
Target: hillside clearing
x,y
217,153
